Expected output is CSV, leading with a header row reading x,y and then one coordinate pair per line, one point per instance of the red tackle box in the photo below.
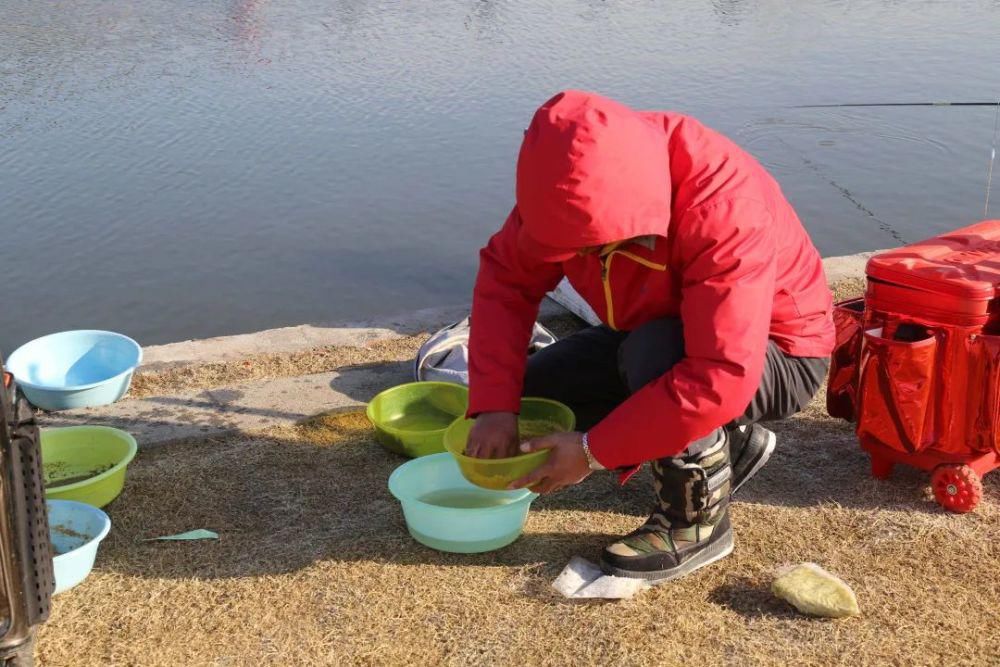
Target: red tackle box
x,y
917,361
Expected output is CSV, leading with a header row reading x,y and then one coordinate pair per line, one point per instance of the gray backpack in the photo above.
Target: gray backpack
x,y
445,355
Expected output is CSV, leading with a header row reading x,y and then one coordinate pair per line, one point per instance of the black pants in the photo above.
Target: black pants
x,y
594,370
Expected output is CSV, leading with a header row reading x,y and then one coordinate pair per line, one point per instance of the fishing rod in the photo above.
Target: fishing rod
x,y
996,125
896,104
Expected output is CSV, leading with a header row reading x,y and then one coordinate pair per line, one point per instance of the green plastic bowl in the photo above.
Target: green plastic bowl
x,y
537,417
411,419
86,463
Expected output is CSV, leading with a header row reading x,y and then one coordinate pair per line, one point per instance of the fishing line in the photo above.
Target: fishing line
x,y
993,146
845,193
993,157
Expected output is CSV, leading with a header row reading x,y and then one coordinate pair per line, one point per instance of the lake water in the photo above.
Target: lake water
x,y
186,168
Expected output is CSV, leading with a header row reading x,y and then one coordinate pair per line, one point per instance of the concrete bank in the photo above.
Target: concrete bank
x,y
279,401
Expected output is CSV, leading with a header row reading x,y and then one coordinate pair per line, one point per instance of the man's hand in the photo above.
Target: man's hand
x,y
493,436
567,464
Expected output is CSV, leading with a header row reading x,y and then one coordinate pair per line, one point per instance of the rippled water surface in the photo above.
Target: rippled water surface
x,y
179,168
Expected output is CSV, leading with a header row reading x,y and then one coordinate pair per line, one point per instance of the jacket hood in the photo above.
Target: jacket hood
x,y
591,171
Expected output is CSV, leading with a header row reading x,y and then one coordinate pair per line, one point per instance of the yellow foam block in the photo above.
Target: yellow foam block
x,y
812,590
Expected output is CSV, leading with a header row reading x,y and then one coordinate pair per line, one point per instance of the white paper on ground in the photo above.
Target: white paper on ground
x,y
582,579
570,299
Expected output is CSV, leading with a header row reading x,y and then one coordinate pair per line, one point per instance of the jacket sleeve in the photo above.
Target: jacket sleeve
x,y
509,289
726,254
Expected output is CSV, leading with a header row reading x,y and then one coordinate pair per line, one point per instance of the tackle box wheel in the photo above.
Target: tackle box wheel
x,y
957,488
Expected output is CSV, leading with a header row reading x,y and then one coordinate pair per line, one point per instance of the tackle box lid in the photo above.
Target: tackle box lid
x,y
964,263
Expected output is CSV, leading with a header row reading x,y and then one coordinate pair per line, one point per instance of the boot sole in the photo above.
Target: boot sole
x,y
713,552
761,461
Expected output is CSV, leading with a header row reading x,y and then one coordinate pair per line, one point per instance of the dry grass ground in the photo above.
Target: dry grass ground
x,y
314,566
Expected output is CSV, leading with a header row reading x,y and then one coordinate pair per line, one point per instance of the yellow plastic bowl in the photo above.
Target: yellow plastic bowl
x,y
537,417
86,463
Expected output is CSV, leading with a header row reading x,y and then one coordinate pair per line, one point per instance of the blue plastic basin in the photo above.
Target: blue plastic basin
x,y
76,530
75,369
446,512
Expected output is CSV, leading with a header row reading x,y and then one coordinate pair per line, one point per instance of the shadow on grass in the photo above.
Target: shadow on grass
x,y
285,501
280,504
377,376
818,461
751,599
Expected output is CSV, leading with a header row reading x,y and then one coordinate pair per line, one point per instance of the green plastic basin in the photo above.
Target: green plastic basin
x,y
411,419
447,513
86,463
538,416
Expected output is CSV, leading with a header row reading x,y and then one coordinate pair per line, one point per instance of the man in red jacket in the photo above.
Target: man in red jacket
x,y
716,309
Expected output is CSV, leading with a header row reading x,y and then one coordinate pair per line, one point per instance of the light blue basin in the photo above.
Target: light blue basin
x,y
76,530
75,369
446,512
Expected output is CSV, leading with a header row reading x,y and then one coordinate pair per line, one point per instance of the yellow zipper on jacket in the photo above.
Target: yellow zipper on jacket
x,y
606,280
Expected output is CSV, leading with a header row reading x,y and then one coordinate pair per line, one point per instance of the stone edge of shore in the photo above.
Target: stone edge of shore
x,y
309,336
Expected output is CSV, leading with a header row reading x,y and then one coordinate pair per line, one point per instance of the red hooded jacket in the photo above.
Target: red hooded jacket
x,y
721,248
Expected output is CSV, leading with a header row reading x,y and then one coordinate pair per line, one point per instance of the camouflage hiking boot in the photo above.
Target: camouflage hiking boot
x,y
689,527
750,448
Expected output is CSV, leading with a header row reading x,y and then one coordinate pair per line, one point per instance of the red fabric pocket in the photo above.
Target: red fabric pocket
x,y
895,391
984,389
842,383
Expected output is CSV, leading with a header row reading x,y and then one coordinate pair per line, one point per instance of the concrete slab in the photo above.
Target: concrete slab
x,y
308,336
847,267
153,420
305,337
240,408
287,401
